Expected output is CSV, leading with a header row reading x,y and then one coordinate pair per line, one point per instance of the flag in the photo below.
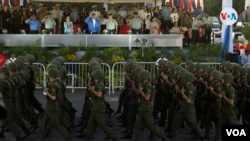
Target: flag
x,y
227,33
176,3
182,4
198,3
3,60
226,42
105,5
194,5
21,2
247,3
186,3
190,5
171,4
16,2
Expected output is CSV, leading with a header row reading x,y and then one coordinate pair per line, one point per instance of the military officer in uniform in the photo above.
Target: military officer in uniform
x,y
111,24
136,24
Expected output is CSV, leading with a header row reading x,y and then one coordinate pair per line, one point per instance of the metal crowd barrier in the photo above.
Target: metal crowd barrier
x,y
165,40
119,71
41,78
247,65
78,75
215,65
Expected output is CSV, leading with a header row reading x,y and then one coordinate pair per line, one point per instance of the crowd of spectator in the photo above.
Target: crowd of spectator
x,y
195,26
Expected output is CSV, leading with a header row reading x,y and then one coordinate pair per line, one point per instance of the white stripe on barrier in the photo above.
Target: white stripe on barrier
x,y
78,73
41,78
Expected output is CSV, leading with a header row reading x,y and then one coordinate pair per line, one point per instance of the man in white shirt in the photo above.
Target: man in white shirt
x,y
161,58
97,13
245,59
122,13
12,58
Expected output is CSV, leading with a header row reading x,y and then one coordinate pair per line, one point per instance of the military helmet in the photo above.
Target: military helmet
x,y
130,63
137,70
19,63
236,68
144,75
189,62
53,72
134,66
12,67
93,64
210,70
130,60
57,64
182,73
191,66
216,75
96,68
98,74
205,67
224,63
57,59
243,71
161,62
189,77
50,66
177,68
22,58
198,67
97,59
228,78
62,58
229,66
30,58
4,70
171,65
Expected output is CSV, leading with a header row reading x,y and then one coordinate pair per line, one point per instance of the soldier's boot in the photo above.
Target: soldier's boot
x,y
26,131
2,132
151,136
18,138
81,136
164,139
124,131
120,117
118,111
207,134
128,135
34,125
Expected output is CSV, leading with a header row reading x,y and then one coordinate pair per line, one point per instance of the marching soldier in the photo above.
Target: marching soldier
x,y
53,110
6,89
98,112
145,118
187,109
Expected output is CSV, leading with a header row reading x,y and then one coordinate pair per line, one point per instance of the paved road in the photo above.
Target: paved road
x,y
77,99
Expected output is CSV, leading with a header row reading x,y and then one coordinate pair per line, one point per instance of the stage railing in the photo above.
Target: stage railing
x,y
88,40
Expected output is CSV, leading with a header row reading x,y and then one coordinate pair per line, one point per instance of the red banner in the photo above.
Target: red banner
x,y
182,4
3,60
190,5
171,3
16,2
198,3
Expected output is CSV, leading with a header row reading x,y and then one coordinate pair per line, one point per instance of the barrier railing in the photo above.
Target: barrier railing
x,y
41,78
119,71
165,40
78,75
247,65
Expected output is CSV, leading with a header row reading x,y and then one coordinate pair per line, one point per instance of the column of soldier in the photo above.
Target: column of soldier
x,y
199,95
17,85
